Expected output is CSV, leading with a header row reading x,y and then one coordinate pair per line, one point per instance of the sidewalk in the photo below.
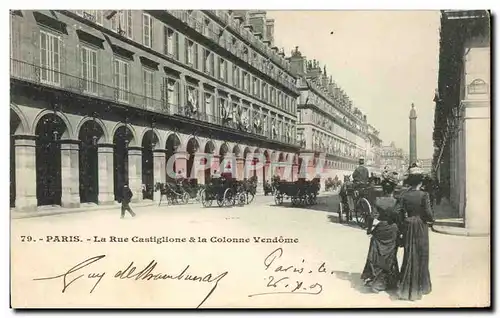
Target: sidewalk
x,y
85,207
448,222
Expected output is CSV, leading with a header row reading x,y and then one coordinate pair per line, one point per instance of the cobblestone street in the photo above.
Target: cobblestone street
x,y
459,265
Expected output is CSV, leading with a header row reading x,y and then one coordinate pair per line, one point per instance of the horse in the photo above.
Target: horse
x,y
171,190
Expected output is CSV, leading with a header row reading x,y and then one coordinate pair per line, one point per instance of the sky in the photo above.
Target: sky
x,y
384,61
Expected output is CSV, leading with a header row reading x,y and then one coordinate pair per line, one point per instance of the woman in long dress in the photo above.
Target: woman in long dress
x,y
415,211
381,268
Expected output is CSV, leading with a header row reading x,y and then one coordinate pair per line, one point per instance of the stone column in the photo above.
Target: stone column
x,y
106,173
135,172
159,170
215,164
477,167
70,174
248,168
181,163
240,168
295,172
25,165
200,165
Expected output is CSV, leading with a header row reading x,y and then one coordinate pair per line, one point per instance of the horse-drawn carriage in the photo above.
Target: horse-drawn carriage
x,y
179,191
357,200
332,184
300,192
228,192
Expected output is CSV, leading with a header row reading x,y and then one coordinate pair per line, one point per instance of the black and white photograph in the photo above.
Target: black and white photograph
x,y
231,159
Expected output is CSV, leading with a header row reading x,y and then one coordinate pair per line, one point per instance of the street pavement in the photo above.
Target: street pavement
x,y
332,256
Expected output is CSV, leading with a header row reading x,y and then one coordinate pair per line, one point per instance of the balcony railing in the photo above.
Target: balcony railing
x,y
28,72
34,74
189,112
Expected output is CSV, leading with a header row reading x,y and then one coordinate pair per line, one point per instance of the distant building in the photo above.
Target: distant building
x,y
425,165
328,122
394,158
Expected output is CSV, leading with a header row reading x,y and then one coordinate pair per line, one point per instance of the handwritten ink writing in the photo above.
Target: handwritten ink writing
x,y
286,284
131,272
68,279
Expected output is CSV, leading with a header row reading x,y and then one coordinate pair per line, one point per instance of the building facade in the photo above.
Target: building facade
x,y
328,123
462,130
394,158
425,165
104,98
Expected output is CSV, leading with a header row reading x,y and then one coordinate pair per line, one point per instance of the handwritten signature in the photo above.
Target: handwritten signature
x,y
145,274
288,284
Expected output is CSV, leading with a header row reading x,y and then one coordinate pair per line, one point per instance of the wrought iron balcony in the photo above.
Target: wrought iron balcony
x,y
189,112
58,80
35,74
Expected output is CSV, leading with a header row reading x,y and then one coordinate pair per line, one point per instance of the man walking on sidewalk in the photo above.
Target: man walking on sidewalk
x,y
126,197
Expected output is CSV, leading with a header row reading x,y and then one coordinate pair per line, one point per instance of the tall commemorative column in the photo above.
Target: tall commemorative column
x,y
413,134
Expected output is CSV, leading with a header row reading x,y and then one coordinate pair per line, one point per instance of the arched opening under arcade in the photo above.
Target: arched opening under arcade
x,y
49,130
249,161
15,122
89,135
225,165
149,143
267,164
171,146
191,149
209,150
239,166
280,169
122,137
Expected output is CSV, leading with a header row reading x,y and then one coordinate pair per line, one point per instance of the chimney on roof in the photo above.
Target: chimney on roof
x,y
270,31
257,19
298,63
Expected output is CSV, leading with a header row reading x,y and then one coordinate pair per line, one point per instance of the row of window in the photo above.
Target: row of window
x,y
216,66
336,99
203,24
333,145
170,88
212,64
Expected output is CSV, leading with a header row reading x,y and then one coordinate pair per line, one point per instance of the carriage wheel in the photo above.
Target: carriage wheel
x,y
350,205
229,198
341,210
185,198
249,197
220,200
278,198
242,198
314,198
198,194
294,200
363,212
204,200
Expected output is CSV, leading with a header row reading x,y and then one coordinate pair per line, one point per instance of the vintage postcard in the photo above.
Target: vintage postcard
x,y
250,158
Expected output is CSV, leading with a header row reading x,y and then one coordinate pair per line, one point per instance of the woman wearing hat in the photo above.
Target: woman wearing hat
x,y
415,212
381,268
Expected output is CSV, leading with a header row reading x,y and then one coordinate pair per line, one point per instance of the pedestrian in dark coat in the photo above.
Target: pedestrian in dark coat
x,y
126,197
381,268
415,211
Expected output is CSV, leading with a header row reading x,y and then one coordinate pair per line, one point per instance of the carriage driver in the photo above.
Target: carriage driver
x,y
361,175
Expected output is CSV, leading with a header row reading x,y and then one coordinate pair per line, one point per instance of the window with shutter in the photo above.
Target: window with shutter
x,y
169,44
147,30
122,80
148,86
89,70
122,23
50,47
